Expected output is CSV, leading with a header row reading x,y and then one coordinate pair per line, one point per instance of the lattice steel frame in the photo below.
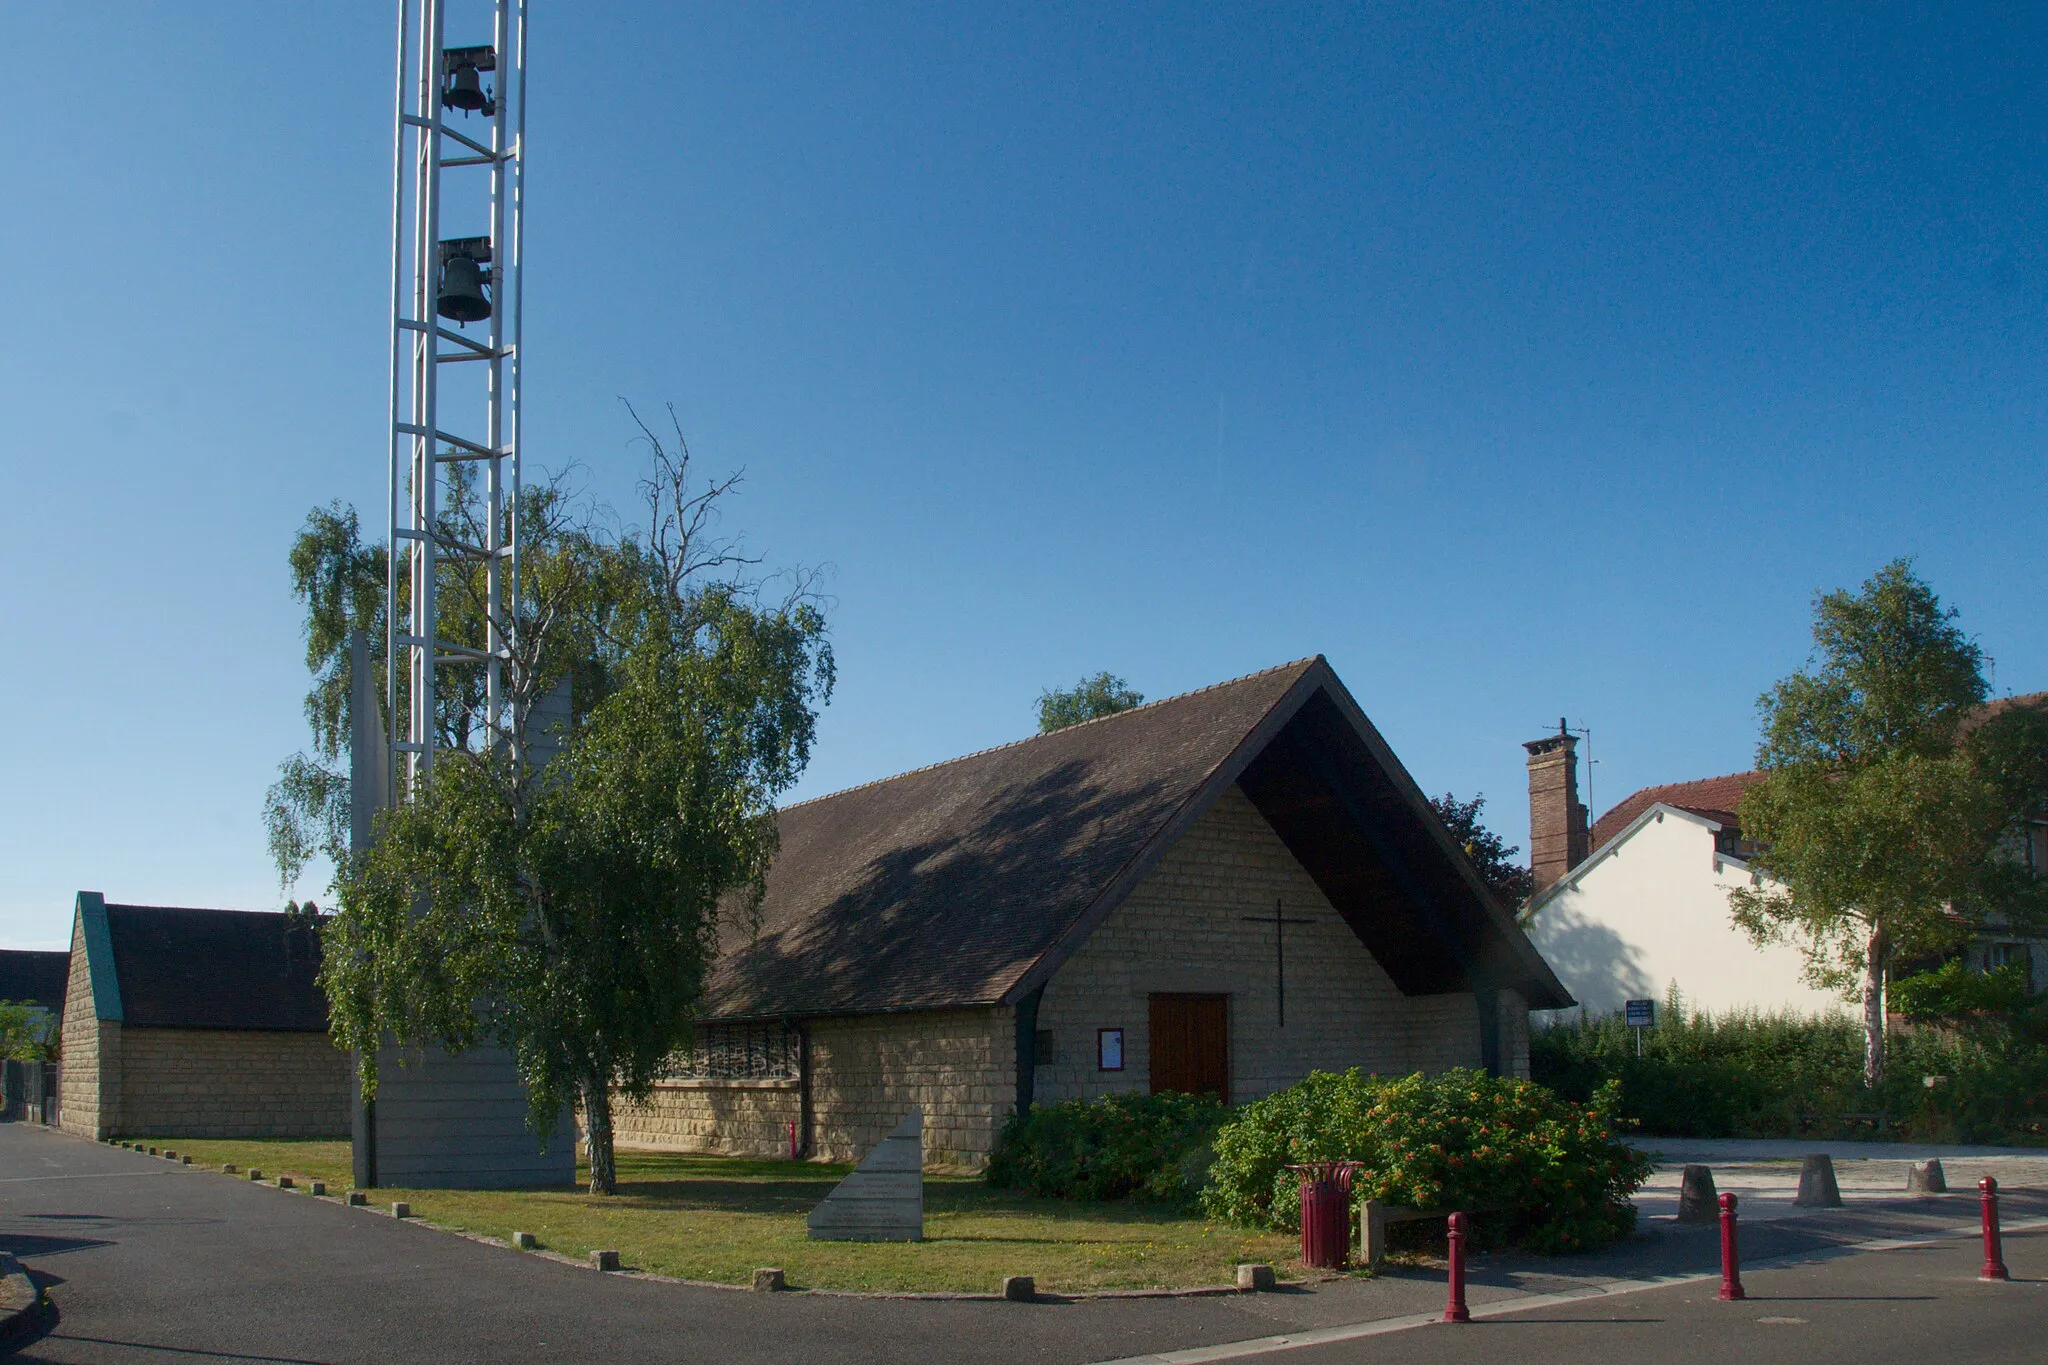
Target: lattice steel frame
x,y
425,146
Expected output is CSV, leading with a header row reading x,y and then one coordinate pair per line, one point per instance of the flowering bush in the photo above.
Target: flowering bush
x,y
1531,1168
1148,1146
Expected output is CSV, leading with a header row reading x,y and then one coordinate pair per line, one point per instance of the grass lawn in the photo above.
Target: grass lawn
x,y
717,1218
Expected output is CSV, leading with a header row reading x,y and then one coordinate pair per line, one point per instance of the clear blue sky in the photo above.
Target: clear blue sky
x,y
1525,361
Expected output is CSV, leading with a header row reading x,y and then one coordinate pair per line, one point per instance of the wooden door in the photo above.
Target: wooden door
x,y
1190,1044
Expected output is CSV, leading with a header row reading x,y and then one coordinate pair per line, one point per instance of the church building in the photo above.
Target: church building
x,y
1219,892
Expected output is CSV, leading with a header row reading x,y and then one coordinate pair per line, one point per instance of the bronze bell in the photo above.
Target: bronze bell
x,y
462,291
465,91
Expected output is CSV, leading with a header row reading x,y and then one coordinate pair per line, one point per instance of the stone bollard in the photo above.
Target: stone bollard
x,y
318,1189
227,1168
605,1260
153,1152
1817,1188
1255,1279
255,1174
400,1209
170,1155
184,1161
525,1241
769,1280
1697,1201
357,1199
1020,1288
1926,1178
284,1182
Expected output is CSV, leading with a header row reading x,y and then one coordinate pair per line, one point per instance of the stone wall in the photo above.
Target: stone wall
x,y
91,1051
957,1066
229,1083
1190,926
740,1118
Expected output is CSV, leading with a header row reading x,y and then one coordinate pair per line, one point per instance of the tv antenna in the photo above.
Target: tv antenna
x,y
457,190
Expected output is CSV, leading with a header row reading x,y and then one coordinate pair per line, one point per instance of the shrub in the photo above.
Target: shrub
x,y
1751,1075
1532,1169
1115,1147
1954,991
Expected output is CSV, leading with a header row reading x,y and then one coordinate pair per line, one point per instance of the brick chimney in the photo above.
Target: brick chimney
x,y
1559,836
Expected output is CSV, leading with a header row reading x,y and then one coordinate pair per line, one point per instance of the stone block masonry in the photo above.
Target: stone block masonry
x,y
1192,927
958,1067
89,1082
222,1083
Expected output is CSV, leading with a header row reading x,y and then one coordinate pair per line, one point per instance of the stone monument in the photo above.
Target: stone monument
x,y
883,1200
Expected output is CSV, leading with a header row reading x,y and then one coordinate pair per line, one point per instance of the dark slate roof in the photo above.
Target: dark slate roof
x,y
217,969
968,882
35,978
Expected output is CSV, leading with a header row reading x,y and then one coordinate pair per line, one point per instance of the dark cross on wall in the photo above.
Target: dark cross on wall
x,y
1279,922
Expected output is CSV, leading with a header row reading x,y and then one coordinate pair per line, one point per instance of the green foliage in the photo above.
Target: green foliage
x,y
1510,882
570,913
1105,694
1882,831
1954,991
1533,1169
1750,1075
29,1033
1117,1146
570,578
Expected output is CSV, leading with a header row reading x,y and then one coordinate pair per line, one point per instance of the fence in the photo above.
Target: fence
x,y
28,1092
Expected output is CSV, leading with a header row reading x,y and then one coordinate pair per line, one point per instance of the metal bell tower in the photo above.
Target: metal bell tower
x,y
457,182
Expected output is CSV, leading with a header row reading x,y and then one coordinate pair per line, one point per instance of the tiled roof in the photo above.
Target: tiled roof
x,y
1997,707
217,969
965,882
1717,797
35,978
1714,797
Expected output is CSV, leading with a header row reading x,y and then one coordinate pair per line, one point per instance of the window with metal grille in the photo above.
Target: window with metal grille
x,y
738,1052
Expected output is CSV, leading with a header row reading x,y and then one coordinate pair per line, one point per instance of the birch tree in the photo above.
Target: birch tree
x,y
1885,826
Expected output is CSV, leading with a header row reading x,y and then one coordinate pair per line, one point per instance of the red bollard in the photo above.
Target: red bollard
x,y
1455,1310
792,1140
1731,1259
1994,1249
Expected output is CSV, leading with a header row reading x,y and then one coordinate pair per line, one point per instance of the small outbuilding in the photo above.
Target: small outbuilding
x,y
1219,892
198,1023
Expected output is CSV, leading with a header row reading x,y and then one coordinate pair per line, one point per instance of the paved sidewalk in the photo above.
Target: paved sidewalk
x,y
1908,1306
1764,1173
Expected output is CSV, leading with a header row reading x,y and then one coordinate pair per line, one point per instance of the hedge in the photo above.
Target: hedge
x,y
1753,1075
1152,1147
1533,1169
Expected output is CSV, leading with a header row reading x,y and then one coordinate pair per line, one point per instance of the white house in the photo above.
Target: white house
x,y
1639,902
1648,908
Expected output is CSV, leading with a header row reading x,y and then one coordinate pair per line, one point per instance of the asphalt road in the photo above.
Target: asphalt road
x,y
146,1261
1917,1304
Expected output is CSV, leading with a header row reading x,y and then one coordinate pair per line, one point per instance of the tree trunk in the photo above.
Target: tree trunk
x,y
1875,951
597,1115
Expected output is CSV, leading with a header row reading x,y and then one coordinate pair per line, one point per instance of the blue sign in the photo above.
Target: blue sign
x,y
1640,1013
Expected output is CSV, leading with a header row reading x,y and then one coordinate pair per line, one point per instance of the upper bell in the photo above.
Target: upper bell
x,y
464,90
462,291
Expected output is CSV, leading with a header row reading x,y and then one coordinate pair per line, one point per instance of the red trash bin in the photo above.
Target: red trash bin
x,y
1325,1213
